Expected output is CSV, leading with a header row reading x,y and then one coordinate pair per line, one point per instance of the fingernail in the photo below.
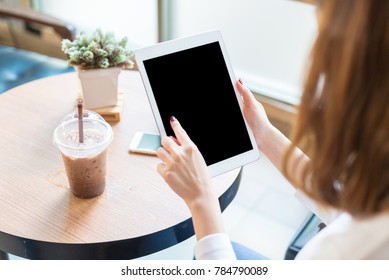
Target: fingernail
x,y
172,119
240,81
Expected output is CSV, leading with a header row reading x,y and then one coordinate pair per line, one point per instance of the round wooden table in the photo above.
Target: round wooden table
x,y
138,214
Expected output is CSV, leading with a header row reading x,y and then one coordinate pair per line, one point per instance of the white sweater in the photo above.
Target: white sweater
x,y
344,237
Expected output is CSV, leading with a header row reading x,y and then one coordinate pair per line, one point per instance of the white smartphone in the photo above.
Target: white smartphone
x,y
145,143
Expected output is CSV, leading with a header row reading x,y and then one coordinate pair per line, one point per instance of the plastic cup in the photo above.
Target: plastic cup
x,y
85,163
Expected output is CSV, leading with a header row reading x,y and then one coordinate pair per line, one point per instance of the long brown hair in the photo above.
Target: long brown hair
x,y
343,119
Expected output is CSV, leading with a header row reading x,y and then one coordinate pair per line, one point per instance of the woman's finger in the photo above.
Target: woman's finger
x,y
180,133
169,144
161,168
248,97
163,155
175,140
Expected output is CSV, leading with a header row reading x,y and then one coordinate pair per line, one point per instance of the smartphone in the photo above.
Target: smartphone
x,y
145,143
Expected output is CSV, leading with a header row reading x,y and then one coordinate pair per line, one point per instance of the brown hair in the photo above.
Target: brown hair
x,y
343,119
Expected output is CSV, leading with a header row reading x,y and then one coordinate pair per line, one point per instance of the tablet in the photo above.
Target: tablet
x,y
191,79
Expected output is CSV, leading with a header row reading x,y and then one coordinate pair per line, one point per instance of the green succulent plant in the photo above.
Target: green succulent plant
x,y
98,50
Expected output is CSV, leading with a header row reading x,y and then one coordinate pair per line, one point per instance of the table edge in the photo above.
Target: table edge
x,y
111,250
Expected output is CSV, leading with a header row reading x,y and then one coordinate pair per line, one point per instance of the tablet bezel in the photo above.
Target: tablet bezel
x,y
184,43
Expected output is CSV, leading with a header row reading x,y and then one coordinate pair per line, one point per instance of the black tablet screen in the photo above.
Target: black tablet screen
x,y
194,86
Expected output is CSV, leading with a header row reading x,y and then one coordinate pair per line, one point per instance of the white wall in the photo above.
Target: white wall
x,y
268,40
136,19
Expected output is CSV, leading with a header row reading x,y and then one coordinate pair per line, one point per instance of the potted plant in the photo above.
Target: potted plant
x,y
98,59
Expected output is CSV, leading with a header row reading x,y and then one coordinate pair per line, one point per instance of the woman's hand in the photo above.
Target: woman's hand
x,y
269,139
254,114
184,169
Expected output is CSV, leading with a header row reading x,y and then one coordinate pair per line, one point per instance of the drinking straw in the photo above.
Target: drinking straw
x,y
80,122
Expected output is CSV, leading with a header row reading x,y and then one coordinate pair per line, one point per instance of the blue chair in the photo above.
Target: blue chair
x,y
19,65
308,229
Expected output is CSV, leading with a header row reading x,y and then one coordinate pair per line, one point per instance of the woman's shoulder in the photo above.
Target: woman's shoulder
x,y
350,238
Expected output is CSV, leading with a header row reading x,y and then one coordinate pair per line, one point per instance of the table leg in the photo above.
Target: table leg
x,y
3,256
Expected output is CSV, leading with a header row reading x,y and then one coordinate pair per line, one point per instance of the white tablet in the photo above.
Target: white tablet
x,y
191,79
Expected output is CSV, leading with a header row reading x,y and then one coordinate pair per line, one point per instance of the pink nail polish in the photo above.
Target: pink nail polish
x,y
172,119
240,81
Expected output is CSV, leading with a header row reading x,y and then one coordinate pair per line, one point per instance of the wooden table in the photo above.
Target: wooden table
x,y
138,214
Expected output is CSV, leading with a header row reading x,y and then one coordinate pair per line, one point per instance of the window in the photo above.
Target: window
x,y
136,19
268,41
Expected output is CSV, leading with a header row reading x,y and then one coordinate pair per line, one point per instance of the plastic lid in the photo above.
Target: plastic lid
x,y
97,135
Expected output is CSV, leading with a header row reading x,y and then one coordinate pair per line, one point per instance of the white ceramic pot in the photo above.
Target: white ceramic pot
x,y
99,87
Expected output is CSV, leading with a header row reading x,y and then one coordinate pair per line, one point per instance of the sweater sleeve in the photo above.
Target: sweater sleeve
x,y
214,247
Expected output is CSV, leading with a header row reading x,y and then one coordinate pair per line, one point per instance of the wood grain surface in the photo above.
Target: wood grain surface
x,y
35,201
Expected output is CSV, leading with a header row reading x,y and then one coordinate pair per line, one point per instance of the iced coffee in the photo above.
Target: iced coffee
x,y
85,163
86,175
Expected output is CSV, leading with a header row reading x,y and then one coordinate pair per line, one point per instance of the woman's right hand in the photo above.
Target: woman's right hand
x,y
254,114
184,169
